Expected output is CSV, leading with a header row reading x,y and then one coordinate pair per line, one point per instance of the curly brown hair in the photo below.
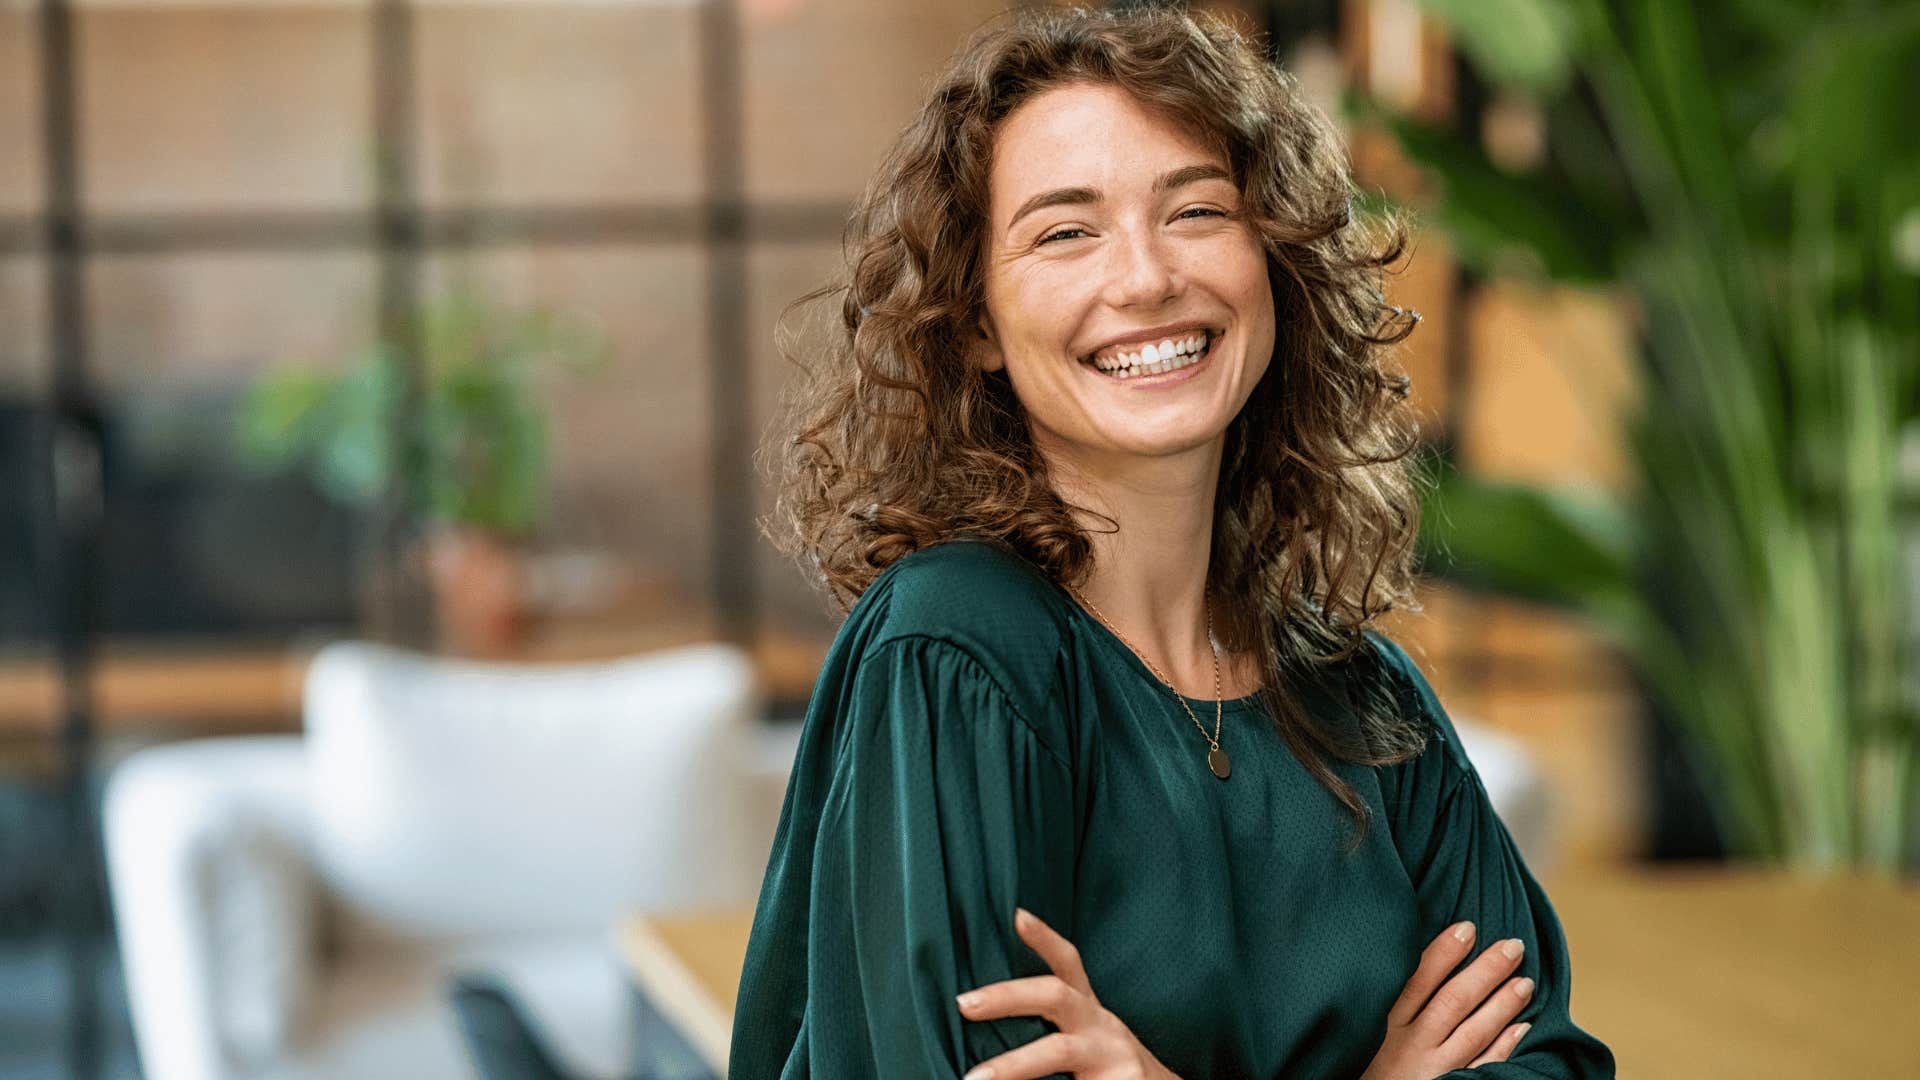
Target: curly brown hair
x,y
892,441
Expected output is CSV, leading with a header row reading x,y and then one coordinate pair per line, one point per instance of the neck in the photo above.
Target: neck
x,y
1150,575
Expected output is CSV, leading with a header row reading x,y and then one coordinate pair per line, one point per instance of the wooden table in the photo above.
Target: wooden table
x,y
207,690
1685,972
1708,971
688,967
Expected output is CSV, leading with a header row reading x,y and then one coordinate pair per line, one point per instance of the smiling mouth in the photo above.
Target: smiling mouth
x,y
1135,365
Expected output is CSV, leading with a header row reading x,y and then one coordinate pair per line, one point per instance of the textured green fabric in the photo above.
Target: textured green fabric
x,y
977,741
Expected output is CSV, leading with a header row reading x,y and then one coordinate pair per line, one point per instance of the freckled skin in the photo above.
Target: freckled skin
x,y
1065,279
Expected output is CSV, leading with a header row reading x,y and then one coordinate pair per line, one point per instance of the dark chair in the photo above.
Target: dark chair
x,y
500,1038
504,1045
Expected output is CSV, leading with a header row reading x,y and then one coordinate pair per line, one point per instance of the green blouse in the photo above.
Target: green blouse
x,y
977,741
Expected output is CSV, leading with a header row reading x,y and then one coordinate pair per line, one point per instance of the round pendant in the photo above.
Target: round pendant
x,y
1217,761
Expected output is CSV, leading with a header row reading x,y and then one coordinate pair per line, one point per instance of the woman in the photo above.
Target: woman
x,y
1108,388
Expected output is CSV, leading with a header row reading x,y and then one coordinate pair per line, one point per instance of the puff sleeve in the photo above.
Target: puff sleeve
x,y
1464,865
947,809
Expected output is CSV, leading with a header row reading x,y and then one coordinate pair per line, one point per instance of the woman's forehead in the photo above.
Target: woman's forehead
x,y
1095,136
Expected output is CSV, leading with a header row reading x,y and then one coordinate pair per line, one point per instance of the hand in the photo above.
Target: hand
x,y
1426,1039
1092,1043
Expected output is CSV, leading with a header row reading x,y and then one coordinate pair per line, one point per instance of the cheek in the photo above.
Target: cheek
x,y
1256,303
1234,266
1047,386
1036,312
1251,270
1257,296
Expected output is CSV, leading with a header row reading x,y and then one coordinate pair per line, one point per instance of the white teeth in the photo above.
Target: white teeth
x,y
1153,353
1170,355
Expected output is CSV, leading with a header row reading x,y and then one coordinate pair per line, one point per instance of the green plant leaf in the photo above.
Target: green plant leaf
x,y
356,458
1528,45
278,418
1853,113
1490,213
1553,547
483,424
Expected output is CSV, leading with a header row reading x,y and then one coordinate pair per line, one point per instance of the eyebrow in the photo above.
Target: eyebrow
x,y
1186,174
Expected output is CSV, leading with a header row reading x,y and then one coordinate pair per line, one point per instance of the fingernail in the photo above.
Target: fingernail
x,y
1521,1032
968,1000
1463,931
1513,947
1523,987
981,1073
1020,916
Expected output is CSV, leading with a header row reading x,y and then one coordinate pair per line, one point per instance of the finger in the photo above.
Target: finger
x,y
1441,956
1059,1052
1057,951
1503,1047
1038,995
1480,1029
1463,993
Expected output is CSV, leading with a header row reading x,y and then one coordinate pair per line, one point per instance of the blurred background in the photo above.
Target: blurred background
x,y
392,681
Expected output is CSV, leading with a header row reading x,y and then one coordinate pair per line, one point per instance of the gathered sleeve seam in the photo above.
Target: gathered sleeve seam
x,y
1450,749
985,673
1460,778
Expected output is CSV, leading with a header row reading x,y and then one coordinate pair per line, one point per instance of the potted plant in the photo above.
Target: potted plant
x,y
1750,179
483,478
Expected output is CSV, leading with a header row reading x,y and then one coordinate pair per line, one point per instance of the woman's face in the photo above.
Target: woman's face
x,y
1107,235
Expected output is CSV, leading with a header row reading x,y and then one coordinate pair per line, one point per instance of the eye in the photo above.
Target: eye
x,y
1059,234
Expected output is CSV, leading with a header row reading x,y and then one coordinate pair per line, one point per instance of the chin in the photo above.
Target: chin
x,y
1156,424
1174,439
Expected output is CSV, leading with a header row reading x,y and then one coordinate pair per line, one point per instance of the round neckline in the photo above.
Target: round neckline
x,y
1133,660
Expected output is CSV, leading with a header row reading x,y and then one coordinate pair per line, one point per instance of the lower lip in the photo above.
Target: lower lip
x,y
1165,378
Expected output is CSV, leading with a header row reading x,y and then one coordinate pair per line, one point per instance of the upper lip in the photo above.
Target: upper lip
x,y
1146,337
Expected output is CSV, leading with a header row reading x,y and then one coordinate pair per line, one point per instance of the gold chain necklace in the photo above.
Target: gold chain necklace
x,y
1217,759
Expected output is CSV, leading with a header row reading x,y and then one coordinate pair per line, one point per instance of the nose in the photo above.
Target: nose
x,y
1139,272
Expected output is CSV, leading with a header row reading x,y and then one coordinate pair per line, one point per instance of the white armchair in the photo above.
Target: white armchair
x,y
292,906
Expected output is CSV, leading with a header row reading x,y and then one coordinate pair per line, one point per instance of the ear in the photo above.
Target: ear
x,y
983,348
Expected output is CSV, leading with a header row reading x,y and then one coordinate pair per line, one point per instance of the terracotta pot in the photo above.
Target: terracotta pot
x,y
479,589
